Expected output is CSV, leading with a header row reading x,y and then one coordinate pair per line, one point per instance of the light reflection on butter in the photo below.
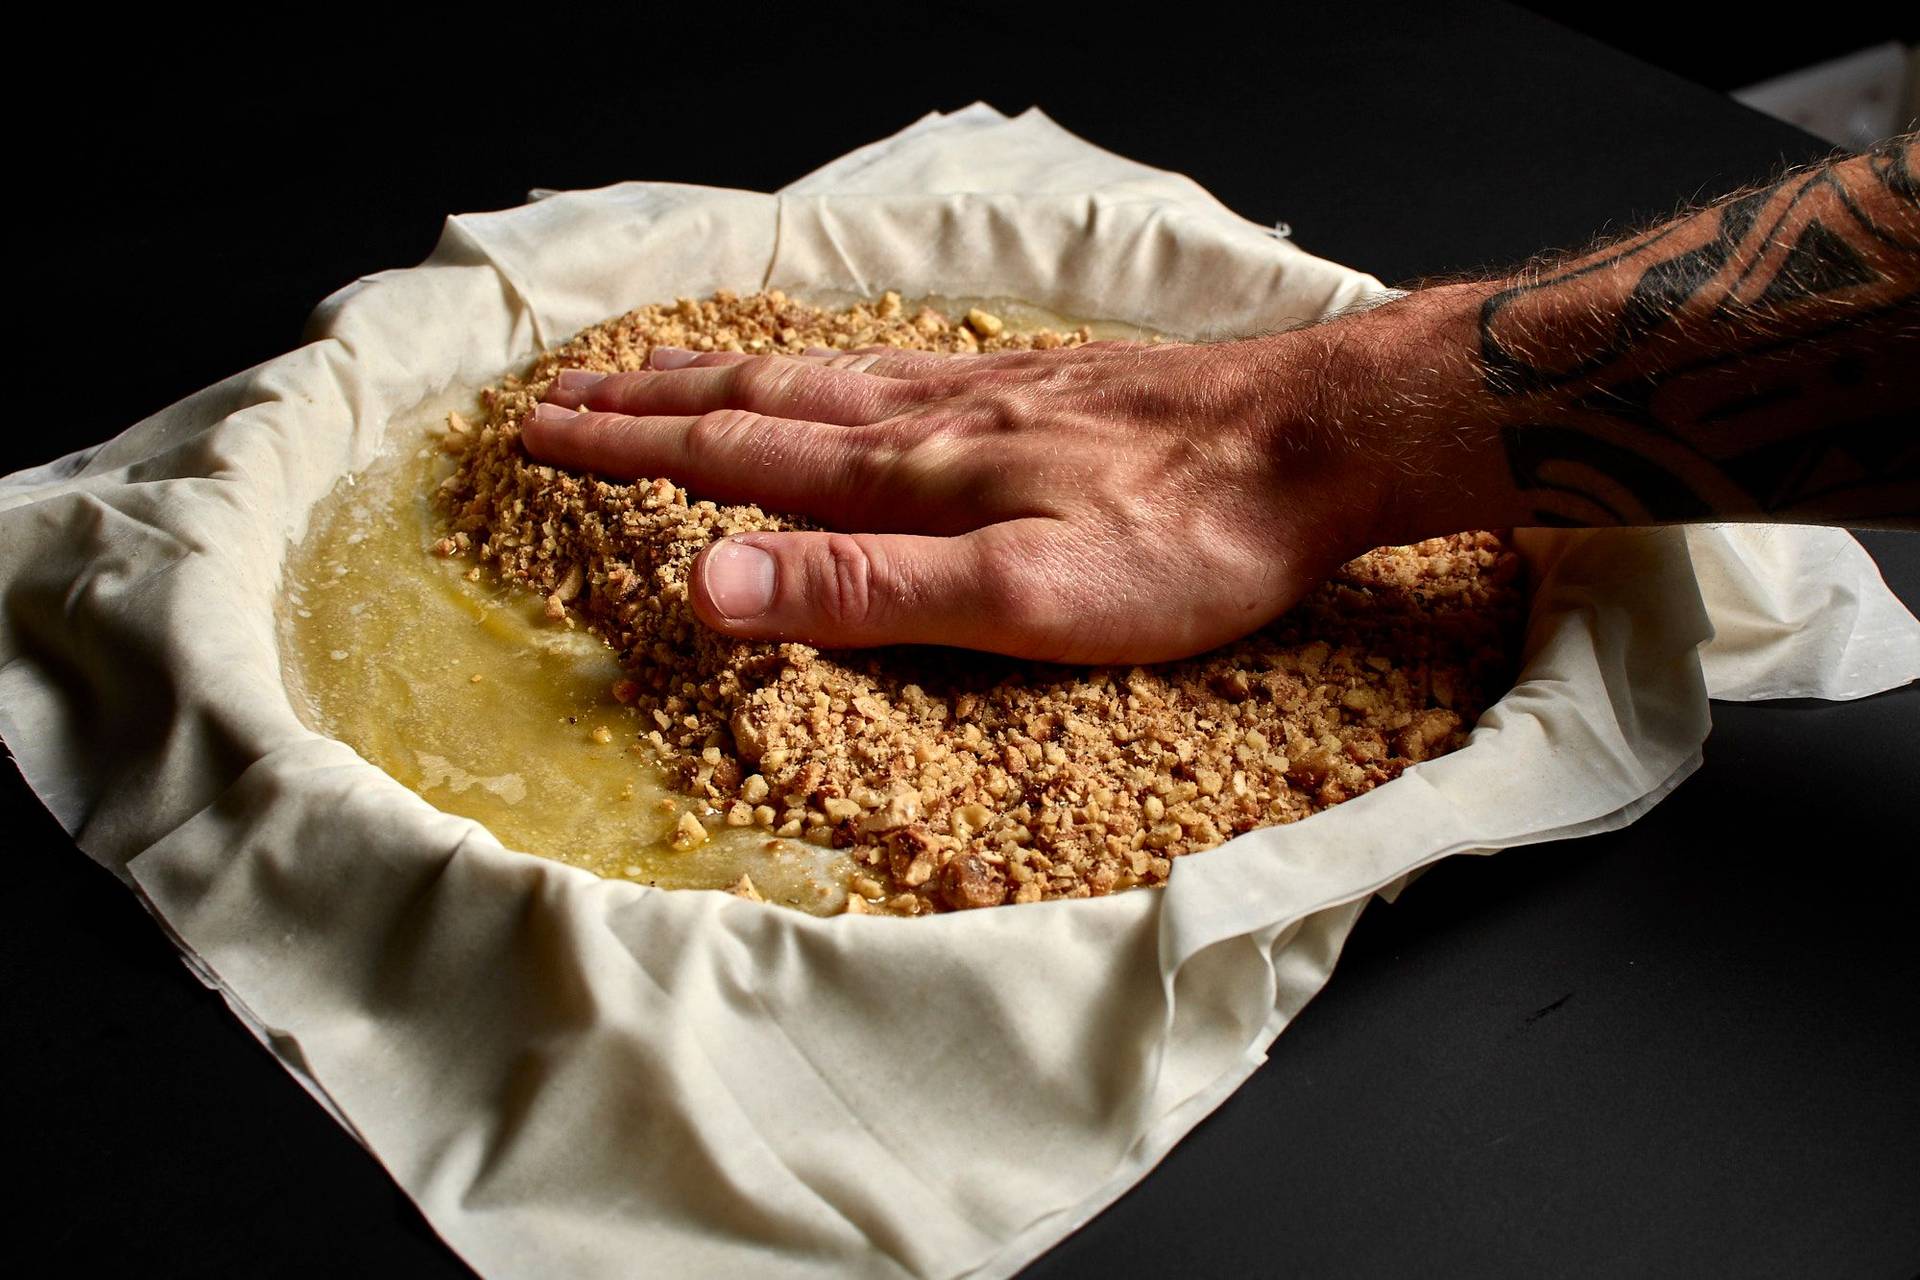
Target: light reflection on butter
x,y
438,771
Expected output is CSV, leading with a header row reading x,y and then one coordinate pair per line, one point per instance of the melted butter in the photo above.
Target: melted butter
x,y
381,642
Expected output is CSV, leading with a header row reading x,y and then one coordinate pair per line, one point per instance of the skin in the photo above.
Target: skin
x,y
1755,360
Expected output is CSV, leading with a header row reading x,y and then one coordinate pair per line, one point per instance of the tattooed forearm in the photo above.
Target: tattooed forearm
x,y
1759,359
1755,360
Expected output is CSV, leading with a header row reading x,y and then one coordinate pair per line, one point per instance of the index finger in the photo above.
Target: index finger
x,y
895,362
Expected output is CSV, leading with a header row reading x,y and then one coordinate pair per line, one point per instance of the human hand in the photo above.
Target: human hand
x,y
1102,504
1124,503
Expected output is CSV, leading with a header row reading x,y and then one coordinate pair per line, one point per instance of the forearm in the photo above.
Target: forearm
x,y
1756,360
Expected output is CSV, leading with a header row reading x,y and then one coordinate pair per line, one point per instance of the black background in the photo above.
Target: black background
x,y
1682,1049
1724,47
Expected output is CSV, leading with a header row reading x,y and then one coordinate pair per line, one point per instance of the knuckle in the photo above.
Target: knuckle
x,y
1009,414
917,463
719,433
747,381
763,382
846,580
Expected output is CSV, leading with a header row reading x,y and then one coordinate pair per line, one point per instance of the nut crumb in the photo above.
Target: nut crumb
x,y
984,323
688,833
958,780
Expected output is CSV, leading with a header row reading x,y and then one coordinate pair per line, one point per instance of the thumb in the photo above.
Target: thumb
x,y
986,589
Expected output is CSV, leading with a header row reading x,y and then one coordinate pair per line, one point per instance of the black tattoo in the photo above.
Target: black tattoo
x,y
1763,359
1599,482
1819,262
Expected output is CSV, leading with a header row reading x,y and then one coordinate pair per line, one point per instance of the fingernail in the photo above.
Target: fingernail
x,y
672,357
820,351
577,382
553,414
739,580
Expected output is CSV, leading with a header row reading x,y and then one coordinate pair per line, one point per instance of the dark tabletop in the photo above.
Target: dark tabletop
x,y
1687,1048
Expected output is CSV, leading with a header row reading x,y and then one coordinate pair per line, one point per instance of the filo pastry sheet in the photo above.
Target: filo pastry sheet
x,y
583,1077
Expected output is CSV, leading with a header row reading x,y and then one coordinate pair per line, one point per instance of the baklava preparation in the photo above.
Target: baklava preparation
x,y
549,678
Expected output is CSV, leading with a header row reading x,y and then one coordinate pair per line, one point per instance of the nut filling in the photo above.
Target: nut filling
x,y
962,780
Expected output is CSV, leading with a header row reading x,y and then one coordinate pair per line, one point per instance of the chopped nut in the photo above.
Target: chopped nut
x,y
968,882
984,323
688,834
902,807
970,782
1232,684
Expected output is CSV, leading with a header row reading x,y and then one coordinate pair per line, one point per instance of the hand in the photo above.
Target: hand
x,y
1104,504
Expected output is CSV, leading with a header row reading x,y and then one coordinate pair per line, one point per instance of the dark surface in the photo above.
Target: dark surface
x,y
1731,49
1683,1049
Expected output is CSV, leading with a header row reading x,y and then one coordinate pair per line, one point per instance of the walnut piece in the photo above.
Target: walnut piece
x,y
960,780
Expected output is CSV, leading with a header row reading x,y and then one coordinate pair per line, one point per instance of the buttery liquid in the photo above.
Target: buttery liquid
x,y
464,692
